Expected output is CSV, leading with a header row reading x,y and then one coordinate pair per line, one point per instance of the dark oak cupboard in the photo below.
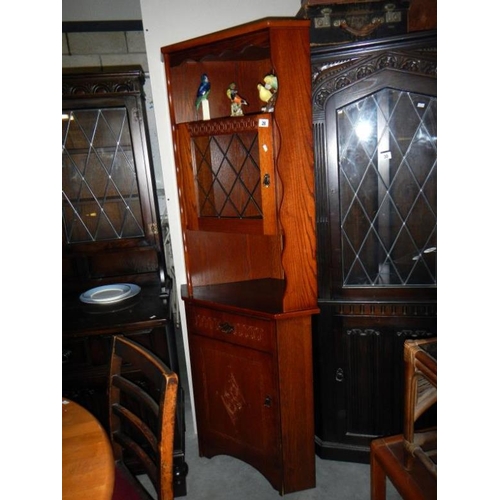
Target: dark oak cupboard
x,y
111,234
246,190
375,141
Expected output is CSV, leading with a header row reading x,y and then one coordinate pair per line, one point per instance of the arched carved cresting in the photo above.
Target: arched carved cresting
x,y
330,78
370,299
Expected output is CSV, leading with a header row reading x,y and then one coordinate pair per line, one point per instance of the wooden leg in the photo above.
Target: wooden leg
x,y
377,477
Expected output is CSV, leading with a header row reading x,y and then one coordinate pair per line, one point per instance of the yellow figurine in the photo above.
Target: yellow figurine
x,y
268,92
271,82
264,94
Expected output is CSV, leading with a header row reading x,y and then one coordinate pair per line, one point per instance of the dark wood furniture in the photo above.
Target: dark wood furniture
x,y
374,123
409,460
246,187
87,457
111,234
142,417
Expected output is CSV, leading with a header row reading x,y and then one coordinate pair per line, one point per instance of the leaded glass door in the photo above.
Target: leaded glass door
x,y
387,151
100,192
382,155
228,176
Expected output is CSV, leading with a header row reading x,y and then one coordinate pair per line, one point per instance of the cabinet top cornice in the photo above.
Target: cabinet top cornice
x,y
94,82
233,39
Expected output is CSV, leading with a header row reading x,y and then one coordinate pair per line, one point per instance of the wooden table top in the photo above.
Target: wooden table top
x,y
88,470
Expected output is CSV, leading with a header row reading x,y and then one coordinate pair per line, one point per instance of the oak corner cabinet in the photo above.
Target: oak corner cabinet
x,y
111,236
375,140
246,190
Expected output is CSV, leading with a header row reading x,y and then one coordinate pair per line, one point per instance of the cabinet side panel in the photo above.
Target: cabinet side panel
x,y
296,397
290,55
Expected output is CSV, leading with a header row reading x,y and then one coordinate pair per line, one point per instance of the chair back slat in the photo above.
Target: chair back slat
x,y
142,393
140,427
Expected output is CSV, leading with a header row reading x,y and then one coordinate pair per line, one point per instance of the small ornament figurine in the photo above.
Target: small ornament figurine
x,y
202,96
236,100
268,92
271,82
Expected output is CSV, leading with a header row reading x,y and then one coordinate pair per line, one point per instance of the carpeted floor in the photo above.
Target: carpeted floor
x,y
227,478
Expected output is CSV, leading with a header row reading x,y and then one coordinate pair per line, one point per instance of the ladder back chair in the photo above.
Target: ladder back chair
x,y
142,401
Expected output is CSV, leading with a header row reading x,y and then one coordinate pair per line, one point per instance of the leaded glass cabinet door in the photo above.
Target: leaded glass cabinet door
x,y
387,161
99,177
383,165
228,174
110,217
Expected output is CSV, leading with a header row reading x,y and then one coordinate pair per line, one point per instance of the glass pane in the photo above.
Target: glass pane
x,y
100,195
387,150
228,176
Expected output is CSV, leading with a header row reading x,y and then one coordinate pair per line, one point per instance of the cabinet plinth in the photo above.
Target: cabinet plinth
x,y
246,190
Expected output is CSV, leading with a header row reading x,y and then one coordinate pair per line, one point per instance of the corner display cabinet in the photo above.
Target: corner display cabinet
x,y
112,239
375,140
246,188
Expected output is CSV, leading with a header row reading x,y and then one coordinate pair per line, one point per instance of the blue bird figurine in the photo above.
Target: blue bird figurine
x,y
203,90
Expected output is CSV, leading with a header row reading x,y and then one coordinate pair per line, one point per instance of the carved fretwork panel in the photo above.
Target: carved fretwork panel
x,y
331,77
106,83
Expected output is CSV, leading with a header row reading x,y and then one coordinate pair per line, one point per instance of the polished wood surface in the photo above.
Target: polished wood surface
x,y
87,457
251,272
248,52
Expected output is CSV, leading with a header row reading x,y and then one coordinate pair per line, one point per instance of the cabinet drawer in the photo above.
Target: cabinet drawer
x,y
242,330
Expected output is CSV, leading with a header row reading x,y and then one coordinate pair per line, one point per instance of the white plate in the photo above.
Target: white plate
x,y
109,294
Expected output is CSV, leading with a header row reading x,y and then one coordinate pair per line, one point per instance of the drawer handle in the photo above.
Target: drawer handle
x,y
226,327
267,402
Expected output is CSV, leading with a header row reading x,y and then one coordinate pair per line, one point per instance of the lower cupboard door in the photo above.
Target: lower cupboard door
x,y
237,409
